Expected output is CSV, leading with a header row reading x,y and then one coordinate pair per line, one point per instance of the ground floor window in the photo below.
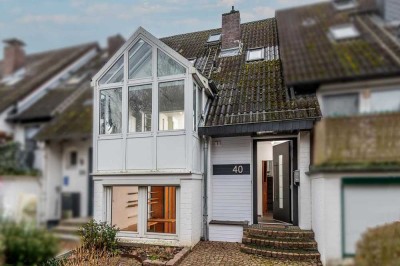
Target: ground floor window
x,y
161,210
142,210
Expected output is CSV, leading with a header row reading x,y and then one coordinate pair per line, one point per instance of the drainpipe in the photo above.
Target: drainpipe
x,y
205,184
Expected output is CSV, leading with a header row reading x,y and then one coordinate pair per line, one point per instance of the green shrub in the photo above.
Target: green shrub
x,y
27,245
379,246
99,235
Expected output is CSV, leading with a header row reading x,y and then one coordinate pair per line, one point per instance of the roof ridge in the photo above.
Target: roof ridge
x,y
64,48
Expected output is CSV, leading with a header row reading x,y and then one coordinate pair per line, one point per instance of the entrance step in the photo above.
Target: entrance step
x,y
68,229
281,241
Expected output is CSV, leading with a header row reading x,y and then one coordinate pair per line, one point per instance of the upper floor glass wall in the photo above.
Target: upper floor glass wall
x,y
146,84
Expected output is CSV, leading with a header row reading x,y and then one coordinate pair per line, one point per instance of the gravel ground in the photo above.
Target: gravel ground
x,y
222,253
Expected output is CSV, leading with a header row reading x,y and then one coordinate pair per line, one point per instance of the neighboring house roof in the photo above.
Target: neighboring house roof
x,y
74,122
40,68
57,99
248,92
310,55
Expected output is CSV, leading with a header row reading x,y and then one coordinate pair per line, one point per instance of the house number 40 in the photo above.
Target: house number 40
x,y
238,169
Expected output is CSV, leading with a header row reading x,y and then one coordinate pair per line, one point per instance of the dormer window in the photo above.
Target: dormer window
x,y
214,38
343,32
255,54
344,4
230,52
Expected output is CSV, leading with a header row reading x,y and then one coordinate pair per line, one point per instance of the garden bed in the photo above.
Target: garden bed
x,y
127,255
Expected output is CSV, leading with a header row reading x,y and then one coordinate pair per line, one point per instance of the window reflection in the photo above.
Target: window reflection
x,y
140,107
171,105
110,111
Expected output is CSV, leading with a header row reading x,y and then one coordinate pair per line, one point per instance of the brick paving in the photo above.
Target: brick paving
x,y
222,253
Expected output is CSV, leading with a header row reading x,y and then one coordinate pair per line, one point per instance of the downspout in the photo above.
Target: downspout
x,y
205,184
205,175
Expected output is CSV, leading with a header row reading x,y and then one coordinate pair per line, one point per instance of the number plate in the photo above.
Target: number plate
x,y
231,169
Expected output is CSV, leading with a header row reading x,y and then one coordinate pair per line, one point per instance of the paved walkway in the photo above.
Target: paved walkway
x,y
222,253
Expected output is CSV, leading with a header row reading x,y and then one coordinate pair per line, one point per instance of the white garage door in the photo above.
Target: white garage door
x,y
368,205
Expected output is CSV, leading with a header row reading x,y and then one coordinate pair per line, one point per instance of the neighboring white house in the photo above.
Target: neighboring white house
x,y
24,81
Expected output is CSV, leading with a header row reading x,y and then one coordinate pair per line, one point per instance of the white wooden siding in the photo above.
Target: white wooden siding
x,y
231,194
227,233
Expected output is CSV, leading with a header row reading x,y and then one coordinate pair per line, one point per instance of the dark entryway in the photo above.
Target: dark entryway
x,y
274,163
70,205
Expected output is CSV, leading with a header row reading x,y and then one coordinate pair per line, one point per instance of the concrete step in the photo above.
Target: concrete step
x,y
67,230
295,255
281,243
289,232
78,222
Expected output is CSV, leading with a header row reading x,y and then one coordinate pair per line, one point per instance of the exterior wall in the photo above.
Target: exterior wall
x,y
189,209
52,173
326,212
231,195
18,191
304,193
77,175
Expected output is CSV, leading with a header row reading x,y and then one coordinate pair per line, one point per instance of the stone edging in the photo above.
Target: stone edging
x,y
172,262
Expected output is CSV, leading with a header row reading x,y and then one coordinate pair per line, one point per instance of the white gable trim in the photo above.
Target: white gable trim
x,y
141,33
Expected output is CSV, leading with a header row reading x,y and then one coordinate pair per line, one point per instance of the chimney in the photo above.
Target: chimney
x,y
114,43
389,10
231,29
14,56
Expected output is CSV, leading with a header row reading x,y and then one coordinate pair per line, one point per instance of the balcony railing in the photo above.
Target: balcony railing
x,y
15,161
360,140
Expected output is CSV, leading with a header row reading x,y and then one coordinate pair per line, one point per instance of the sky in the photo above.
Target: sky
x,y
51,24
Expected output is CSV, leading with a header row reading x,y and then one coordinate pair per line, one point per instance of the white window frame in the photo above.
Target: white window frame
x,y
142,212
113,135
259,49
213,40
344,32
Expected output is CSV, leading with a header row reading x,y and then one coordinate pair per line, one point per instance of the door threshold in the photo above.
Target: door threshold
x,y
275,223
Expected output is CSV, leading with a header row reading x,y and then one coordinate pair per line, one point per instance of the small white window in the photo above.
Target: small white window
x,y
344,32
344,4
385,101
214,37
230,52
255,54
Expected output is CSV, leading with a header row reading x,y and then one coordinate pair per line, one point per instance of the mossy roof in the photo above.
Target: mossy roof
x,y
248,92
310,55
40,68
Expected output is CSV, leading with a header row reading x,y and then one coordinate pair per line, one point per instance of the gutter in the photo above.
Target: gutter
x,y
205,187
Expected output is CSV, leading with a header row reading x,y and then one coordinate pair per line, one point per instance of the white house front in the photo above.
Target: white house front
x,y
193,137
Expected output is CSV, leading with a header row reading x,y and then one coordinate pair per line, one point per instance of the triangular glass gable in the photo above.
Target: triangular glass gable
x,y
140,60
115,74
166,66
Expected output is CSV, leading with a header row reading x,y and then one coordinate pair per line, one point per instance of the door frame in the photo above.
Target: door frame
x,y
294,166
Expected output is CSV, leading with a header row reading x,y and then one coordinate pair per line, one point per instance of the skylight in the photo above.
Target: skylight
x,y
214,37
255,54
230,52
343,32
344,4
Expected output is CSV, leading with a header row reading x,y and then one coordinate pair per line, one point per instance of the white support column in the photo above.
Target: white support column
x,y
304,152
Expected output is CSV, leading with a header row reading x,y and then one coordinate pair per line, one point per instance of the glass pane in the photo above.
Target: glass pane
x,y
339,105
110,111
115,74
124,207
139,118
161,210
199,104
385,101
171,105
166,66
194,106
140,60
